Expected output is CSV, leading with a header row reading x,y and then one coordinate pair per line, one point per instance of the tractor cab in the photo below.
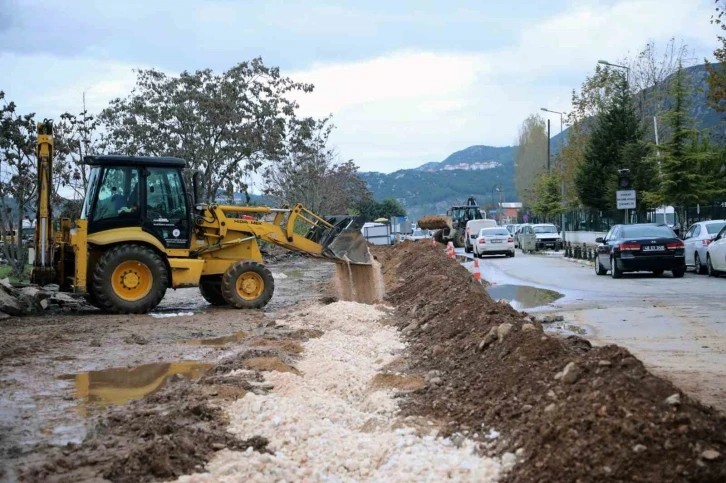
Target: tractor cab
x,y
139,192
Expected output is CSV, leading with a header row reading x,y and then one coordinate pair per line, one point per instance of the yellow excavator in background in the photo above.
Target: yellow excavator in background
x,y
142,230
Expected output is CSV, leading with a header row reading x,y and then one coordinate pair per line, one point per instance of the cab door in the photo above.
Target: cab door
x,y
115,201
166,212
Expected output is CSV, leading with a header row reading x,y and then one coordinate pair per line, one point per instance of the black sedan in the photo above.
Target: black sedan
x,y
640,248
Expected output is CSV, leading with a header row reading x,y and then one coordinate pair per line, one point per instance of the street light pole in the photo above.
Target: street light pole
x,y
562,168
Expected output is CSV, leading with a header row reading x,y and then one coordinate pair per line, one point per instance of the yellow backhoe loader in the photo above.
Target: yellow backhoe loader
x,y
142,230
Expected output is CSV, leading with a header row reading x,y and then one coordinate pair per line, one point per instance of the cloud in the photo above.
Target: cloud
x,y
407,82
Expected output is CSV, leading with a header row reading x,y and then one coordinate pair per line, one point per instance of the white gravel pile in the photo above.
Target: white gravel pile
x,y
328,425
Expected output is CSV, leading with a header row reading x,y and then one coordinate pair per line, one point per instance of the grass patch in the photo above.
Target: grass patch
x,y
5,273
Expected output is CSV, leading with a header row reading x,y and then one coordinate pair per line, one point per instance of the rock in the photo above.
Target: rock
x,y
9,304
639,448
94,343
604,363
7,286
527,408
550,408
519,452
527,327
503,301
136,339
509,460
551,394
4,316
436,381
51,287
549,319
571,373
710,455
673,399
437,350
503,330
411,327
558,376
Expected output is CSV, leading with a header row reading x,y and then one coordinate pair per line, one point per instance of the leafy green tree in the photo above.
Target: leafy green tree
x,y
614,129
682,182
716,72
548,195
226,124
388,208
530,156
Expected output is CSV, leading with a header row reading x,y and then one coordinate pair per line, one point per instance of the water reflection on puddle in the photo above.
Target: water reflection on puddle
x,y
121,385
217,341
523,296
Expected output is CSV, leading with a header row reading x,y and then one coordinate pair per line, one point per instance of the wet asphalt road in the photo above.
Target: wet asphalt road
x,y
677,327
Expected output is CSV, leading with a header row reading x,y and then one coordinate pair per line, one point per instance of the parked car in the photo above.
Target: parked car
x,y
697,239
512,228
419,235
472,231
642,247
526,229
548,236
494,241
716,254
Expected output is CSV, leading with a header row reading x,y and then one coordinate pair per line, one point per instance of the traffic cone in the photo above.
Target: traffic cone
x,y
477,273
450,250
433,241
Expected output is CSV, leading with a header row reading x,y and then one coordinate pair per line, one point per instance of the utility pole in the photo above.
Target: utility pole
x,y
548,145
562,167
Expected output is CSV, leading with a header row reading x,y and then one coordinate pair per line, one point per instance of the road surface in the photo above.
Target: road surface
x,y
677,327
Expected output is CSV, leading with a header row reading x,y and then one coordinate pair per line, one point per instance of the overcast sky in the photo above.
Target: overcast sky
x,y
407,81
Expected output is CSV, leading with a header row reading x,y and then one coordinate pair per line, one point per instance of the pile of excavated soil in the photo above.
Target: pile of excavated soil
x,y
336,419
570,412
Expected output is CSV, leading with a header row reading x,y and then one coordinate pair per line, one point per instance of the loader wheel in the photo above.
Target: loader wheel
x,y
211,289
129,279
247,285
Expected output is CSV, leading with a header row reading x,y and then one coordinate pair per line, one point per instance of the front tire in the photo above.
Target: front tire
x,y
615,272
129,279
247,285
700,269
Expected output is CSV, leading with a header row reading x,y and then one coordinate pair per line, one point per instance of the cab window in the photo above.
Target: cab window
x,y
118,195
165,201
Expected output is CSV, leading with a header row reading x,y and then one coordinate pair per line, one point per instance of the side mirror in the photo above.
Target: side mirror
x,y
599,240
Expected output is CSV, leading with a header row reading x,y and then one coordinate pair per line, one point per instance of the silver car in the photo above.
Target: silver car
x,y
697,239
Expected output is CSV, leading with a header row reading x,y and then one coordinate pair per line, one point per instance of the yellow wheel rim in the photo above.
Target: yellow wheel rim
x,y
250,285
132,280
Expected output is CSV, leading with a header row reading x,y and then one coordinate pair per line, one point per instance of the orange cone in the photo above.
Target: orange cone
x,y
477,273
450,250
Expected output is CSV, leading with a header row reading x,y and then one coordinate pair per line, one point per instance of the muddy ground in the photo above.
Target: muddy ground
x,y
61,370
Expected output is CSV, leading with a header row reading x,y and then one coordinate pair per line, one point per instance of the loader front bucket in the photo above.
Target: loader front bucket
x,y
344,242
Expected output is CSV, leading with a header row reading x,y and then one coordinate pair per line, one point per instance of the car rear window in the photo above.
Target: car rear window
x,y
714,228
495,232
644,231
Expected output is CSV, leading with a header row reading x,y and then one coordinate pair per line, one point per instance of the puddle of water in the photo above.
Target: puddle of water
x,y
163,315
121,385
217,341
565,327
523,296
294,274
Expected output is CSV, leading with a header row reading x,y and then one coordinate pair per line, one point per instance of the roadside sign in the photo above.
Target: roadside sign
x,y
625,199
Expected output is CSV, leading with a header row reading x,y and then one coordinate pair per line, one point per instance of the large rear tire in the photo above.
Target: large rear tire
x,y
459,240
129,279
247,285
211,289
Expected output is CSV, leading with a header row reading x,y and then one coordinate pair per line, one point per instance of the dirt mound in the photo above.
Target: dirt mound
x,y
287,345
163,436
268,364
570,412
398,381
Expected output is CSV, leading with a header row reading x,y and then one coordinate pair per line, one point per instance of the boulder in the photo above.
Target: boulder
x,y
9,304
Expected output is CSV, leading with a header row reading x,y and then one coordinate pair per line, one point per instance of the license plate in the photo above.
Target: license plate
x,y
654,248
496,241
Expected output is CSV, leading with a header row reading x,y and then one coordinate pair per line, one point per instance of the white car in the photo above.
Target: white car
x,y
547,236
419,235
716,254
697,239
494,241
